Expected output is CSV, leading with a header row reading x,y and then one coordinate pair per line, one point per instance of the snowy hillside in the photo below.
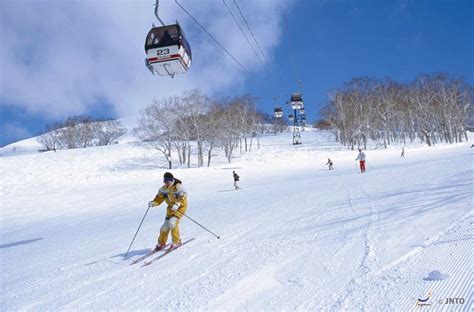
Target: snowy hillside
x,y
296,236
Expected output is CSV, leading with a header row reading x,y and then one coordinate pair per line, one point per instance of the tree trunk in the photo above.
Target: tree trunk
x,y
189,155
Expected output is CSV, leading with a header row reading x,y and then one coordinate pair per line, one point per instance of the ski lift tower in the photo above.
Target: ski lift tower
x,y
297,105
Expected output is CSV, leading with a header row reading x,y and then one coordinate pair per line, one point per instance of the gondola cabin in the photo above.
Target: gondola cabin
x,y
167,51
291,117
296,101
278,112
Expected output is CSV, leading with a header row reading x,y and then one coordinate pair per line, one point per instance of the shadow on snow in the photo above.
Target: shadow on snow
x,y
22,242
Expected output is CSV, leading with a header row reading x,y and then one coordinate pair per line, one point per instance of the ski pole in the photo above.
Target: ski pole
x,y
136,233
201,226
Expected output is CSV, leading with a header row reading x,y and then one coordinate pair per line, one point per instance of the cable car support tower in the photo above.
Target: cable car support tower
x,y
298,115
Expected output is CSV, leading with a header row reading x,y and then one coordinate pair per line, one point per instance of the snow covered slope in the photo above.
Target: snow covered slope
x,y
296,236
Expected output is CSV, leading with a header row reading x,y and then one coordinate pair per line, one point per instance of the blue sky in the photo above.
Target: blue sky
x,y
333,41
61,58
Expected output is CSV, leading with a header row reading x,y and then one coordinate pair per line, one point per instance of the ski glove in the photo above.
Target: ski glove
x,y
175,207
151,204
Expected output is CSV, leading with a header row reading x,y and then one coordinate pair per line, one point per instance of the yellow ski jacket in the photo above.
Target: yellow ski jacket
x,y
175,194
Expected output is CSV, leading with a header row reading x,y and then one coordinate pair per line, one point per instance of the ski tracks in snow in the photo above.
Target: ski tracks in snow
x,y
398,284
446,252
368,260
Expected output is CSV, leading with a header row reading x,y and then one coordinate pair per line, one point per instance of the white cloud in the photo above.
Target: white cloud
x,y
59,58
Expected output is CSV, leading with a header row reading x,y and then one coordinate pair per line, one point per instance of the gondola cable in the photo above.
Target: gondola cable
x,y
210,35
292,58
245,35
251,32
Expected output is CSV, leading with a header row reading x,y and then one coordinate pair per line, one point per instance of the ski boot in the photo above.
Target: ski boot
x,y
159,247
175,245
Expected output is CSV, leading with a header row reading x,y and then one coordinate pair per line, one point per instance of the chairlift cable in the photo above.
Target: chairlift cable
x,y
251,32
245,35
210,35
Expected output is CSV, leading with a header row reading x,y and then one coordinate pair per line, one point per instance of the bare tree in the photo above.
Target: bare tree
x,y
195,106
156,127
230,127
49,140
76,132
212,130
81,131
107,131
434,108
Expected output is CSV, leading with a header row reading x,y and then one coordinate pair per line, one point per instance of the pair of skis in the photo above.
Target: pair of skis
x,y
166,250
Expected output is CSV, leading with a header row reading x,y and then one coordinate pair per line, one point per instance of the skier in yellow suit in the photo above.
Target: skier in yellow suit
x,y
174,194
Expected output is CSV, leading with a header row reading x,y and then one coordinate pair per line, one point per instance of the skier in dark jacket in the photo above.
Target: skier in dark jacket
x,y
236,180
330,164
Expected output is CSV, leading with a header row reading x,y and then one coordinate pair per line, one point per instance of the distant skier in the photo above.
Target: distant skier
x,y
236,180
330,164
403,152
361,158
174,194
